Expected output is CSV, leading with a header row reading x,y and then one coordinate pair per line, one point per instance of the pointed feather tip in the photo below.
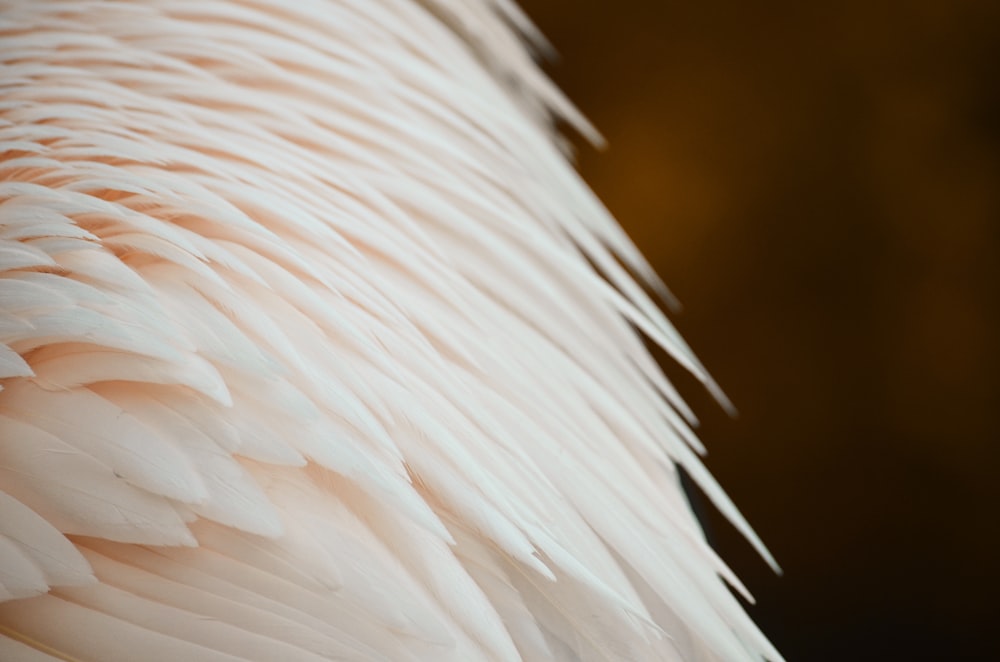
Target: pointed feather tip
x,y
595,138
716,391
765,554
540,47
660,289
772,562
535,562
720,397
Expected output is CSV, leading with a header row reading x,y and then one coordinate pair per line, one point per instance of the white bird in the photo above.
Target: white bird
x,y
314,346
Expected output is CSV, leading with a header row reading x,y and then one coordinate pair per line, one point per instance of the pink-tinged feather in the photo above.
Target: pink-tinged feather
x,y
314,346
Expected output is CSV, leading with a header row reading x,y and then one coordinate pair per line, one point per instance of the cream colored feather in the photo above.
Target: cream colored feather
x,y
303,356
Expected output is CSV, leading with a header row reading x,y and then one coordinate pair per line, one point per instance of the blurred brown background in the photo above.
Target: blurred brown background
x,y
820,186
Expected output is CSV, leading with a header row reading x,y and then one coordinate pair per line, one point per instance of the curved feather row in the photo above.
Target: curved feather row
x,y
303,356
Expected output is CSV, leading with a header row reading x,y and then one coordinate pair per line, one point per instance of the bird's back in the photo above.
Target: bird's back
x,y
314,346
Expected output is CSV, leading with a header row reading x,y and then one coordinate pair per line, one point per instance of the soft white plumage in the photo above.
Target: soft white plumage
x,y
304,357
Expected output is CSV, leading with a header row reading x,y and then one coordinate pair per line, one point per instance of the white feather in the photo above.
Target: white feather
x,y
303,352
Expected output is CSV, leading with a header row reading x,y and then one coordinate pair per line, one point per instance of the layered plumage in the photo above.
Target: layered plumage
x,y
313,346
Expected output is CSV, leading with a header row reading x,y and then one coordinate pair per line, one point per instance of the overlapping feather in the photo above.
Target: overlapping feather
x,y
302,356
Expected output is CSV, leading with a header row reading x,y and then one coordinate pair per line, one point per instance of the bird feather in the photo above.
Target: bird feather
x,y
314,346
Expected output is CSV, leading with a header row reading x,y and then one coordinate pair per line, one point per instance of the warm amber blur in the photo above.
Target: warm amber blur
x,y
821,188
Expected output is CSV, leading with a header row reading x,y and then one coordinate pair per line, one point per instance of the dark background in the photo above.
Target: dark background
x,y
820,186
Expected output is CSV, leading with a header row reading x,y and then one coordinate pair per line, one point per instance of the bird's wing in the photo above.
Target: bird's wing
x,y
314,346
